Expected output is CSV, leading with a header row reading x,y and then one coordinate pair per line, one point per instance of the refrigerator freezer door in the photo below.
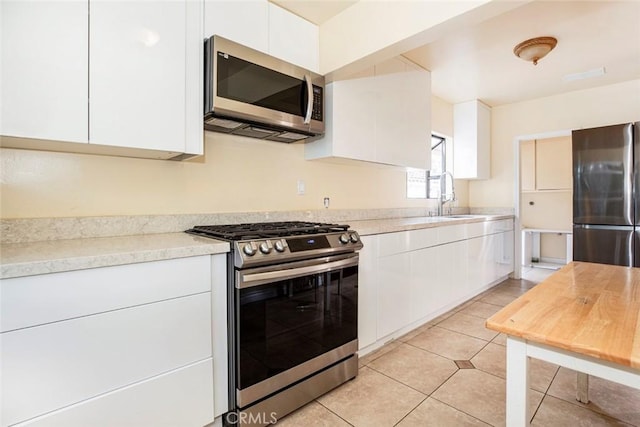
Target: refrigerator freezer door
x,y
603,244
603,175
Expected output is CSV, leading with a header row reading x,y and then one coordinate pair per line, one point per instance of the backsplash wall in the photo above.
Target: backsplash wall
x,y
236,175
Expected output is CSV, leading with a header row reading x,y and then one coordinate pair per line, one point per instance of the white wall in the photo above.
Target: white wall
x,y
607,105
236,174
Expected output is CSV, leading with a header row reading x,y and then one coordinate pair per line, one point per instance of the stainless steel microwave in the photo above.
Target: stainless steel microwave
x,y
252,94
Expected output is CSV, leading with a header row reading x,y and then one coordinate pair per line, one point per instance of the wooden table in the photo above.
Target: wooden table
x,y
585,317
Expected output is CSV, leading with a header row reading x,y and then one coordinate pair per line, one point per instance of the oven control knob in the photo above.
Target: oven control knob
x,y
279,246
265,247
344,238
249,249
354,238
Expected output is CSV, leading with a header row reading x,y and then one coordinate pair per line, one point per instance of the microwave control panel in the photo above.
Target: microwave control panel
x,y
316,113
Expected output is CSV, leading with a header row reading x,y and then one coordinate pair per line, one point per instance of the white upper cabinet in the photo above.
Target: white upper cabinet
x,y
554,170
545,164
266,27
244,22
122,76
44,74
383,117
471,140
139,75
293,39
353,138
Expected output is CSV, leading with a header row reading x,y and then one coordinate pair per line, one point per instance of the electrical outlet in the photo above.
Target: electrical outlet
x,y
326,202
301,187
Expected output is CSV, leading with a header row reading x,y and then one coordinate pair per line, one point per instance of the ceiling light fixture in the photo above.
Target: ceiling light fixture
x,y
535,49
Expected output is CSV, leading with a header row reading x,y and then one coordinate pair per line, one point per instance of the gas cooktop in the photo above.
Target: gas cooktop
x,y
265,243
265,230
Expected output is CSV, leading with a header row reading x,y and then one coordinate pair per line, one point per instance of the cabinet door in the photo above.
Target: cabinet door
x,y
367,292
138,74
44,74
417,108
481,254
424,283
471,140
553,164
245,22
505,260
528,165
403,128
351,109
293,39
394,293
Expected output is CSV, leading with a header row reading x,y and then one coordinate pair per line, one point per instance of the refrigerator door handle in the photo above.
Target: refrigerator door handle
x,y
604,227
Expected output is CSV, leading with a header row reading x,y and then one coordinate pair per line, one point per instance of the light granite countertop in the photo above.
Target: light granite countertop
x,y
391,225
33,258
52,256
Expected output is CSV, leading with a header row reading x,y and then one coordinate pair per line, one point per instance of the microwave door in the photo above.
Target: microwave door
x,y
258,90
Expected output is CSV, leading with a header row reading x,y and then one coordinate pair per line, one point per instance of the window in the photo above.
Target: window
x,y
427,184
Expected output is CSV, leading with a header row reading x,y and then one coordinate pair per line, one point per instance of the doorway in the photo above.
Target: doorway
x,y
543,203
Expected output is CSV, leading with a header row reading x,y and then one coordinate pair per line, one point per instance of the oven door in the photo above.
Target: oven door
x,y
293,320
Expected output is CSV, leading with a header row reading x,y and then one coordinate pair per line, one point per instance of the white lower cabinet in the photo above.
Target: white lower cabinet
x,y
407,278
424,278
178,398
125,345
394,292
367,295
480,259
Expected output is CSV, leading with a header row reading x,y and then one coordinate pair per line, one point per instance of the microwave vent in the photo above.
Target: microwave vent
x,y
224,125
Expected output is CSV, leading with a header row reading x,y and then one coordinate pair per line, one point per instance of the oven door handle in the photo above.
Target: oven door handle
x,y
248,279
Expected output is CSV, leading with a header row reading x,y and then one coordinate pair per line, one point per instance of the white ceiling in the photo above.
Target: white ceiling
x,y
478,62
316,11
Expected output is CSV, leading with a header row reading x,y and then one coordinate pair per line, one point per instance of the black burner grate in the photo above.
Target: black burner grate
x,y
262,230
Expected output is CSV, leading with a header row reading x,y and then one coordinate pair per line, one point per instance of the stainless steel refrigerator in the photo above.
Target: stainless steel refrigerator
x,y
606,176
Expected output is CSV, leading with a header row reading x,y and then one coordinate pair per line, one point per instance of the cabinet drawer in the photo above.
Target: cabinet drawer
x,y
393,243
47,367
183,397
451,233
477,229
36,300
424,238
500,226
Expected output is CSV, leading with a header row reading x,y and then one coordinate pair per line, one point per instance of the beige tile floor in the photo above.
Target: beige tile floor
x,y
414,380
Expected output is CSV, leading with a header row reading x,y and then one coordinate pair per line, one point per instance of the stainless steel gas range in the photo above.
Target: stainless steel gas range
x,y
293,310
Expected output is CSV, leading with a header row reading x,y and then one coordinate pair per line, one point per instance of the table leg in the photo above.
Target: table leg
x,y
582,389
517,383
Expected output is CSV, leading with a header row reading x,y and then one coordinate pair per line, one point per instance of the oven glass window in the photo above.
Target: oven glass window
x,y
252,84
286,323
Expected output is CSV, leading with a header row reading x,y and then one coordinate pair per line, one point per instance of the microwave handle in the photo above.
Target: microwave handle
x,y
307,117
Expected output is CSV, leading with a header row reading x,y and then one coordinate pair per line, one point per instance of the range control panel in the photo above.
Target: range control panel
x,y
284,249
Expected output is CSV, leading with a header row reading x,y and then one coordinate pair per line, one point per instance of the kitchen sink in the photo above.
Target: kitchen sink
x,y
465,216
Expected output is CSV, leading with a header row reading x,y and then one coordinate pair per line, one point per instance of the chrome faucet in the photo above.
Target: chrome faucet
x,y
445,197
